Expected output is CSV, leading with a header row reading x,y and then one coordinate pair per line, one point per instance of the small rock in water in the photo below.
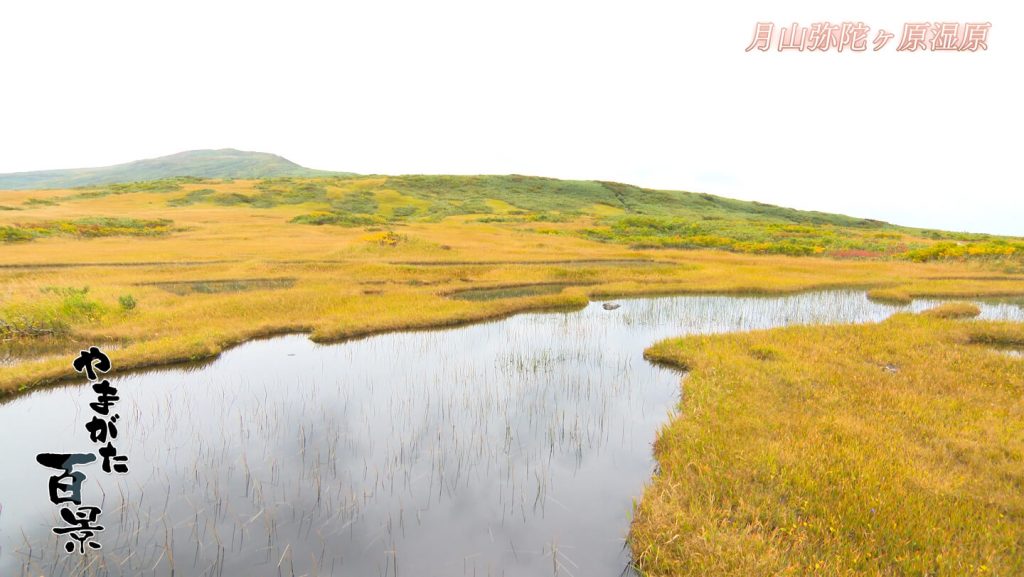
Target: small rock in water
x,y
611,306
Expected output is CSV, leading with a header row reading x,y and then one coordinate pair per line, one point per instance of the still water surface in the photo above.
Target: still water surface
x,y
512,448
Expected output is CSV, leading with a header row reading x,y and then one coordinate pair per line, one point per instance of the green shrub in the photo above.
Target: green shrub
x,y
191,198
352,220
362,202
127,302
403,211
40,202
89,227
49,317
15,234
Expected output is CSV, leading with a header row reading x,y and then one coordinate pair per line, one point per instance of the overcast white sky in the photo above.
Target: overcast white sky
x,y
659,94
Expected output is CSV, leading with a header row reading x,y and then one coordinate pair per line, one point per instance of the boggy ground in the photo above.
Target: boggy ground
x,y
178,270
885,449
889,449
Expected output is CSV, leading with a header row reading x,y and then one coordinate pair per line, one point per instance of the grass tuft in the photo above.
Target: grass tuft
x,y
958,310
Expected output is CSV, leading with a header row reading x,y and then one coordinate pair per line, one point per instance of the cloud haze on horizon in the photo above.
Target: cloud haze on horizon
x,y
658,94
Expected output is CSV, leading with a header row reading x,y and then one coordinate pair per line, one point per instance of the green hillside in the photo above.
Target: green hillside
x,y
607,212
223,163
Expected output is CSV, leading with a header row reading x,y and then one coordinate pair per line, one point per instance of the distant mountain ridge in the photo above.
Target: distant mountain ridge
x,y
222,163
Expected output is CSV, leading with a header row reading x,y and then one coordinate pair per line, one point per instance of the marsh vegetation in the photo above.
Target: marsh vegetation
x,y
882,449
514,447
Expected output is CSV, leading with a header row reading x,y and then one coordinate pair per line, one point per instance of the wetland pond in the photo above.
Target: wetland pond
x,y
515,447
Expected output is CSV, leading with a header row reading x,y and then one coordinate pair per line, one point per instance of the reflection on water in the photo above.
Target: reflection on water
x,y
509,448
